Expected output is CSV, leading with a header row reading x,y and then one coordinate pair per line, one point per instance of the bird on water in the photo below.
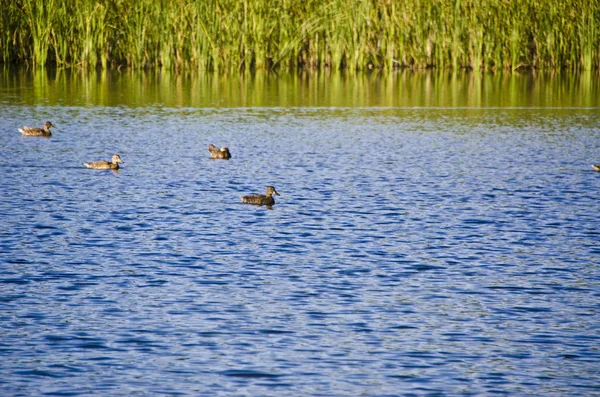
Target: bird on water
x,y
106,165
261,199
36,131
216,153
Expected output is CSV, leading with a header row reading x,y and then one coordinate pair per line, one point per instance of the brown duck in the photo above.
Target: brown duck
x,y
261,199
106,165
216,153
596,167
35,131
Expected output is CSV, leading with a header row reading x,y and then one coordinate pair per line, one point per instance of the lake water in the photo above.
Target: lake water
x,y
436,234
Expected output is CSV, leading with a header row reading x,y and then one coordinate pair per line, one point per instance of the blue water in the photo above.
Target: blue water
x,y
413,251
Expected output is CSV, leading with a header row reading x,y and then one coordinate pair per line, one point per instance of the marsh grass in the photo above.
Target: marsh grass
x,y
232,35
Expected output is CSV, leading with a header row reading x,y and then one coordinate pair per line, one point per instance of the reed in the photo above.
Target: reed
x,y
233,35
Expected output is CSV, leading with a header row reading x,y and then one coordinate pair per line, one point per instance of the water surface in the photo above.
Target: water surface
x,y
439,243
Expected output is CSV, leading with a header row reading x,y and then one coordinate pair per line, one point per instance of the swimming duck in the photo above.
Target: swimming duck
x,y
35,131
106,165
216,153
596,167
261,199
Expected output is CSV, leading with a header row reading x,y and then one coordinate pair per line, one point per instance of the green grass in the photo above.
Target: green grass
x,y
234,35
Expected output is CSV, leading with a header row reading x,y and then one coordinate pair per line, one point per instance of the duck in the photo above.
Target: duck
x,y
216,153
596,167
261,199
106,165
35,131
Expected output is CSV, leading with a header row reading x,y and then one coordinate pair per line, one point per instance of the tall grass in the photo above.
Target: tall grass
x,y
230,35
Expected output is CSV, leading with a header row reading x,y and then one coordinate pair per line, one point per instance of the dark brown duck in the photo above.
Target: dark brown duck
x,y
261,199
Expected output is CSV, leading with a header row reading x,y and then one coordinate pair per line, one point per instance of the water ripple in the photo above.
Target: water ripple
x,y
461,259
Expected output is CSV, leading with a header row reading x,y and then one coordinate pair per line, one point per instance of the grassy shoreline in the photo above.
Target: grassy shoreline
x,y
232,35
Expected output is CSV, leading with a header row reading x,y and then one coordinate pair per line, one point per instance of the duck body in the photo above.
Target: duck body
x,y
261,199
596,167
106,165
35,131
216,153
